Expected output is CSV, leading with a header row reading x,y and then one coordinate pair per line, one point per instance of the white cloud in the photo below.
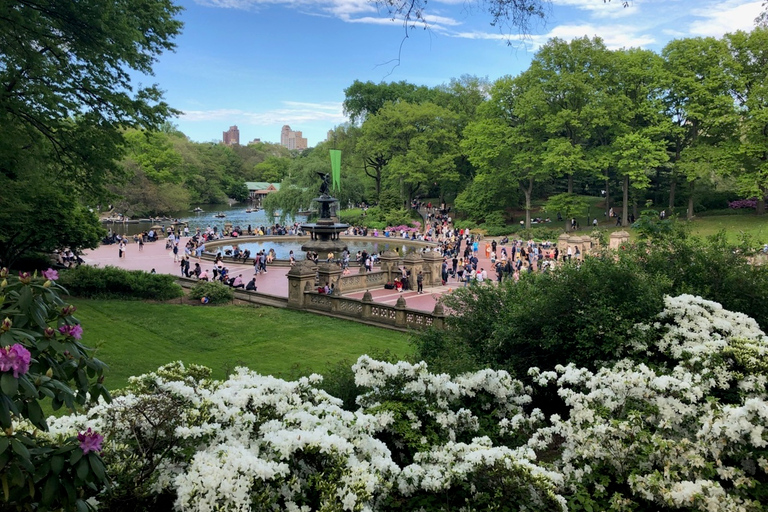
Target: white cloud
x,y
600,9
719,18
293,113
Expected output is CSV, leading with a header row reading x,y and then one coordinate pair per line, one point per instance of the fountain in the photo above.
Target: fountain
x,y
324,234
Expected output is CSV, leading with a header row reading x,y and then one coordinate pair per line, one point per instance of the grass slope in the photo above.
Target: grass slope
x,y
136,337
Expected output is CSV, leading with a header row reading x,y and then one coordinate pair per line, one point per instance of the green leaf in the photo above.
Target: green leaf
x,y
76,456
25,298
36,415
20,449
49,490
81,506
57,464
4,443
82,468
5,413
97,466
9,384
29,390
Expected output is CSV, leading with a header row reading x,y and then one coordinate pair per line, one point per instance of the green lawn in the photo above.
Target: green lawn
x,y
136,337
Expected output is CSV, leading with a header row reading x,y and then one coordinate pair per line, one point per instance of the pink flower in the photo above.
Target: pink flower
x,y
72,330
50,274
90,441
15,358
25,277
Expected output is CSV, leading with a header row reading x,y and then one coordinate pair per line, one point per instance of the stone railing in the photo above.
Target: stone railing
x,y
362,281
364,310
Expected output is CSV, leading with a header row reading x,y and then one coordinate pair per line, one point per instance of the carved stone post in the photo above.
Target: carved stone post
x,y
413,262
439,316
389,263
328,273
618,238
433,262
400,306
367,301
301,277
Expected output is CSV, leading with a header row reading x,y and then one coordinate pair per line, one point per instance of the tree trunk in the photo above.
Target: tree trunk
x,y
527,191
625,206
689,213
607,197
570,183
672,187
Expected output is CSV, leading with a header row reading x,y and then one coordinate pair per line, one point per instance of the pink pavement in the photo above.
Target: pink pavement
x,y
274,282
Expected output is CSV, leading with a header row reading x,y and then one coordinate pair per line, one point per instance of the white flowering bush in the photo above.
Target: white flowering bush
x,y
459,441
255,442
686,434
681,425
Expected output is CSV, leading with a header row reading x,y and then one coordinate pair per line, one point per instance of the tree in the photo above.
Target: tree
x,y
749,66
417,145
638,146
636,154
699,105
67,93
566,100
363,99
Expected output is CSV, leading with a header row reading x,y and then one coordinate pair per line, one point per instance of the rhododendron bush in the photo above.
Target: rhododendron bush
x,y
681,426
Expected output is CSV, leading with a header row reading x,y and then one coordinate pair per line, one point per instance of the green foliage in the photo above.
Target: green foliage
x,y
61,370
585,312
60,143
216,291
589,312
113,282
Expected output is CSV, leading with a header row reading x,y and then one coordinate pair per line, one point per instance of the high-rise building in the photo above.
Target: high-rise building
x,y
291,139
232,136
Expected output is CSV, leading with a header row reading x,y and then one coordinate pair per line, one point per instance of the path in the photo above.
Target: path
x,y
274,282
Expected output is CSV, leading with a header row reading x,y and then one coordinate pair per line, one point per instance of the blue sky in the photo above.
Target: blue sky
x,y
260,64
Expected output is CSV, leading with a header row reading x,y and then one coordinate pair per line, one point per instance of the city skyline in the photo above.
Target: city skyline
x,y
262,64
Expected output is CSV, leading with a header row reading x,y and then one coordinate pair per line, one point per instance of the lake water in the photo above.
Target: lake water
x,y
283,249
235,215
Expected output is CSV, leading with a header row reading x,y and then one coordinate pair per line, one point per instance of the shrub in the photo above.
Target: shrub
x,y
217,292
43,361
112,282
32,261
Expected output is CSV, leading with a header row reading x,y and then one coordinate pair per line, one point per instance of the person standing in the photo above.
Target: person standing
x,y
420,282
121,249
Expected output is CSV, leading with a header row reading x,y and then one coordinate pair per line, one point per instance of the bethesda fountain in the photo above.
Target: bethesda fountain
x,y
324,234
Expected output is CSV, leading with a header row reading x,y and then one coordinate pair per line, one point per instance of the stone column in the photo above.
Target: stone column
x,y
439,316
562,244
301,277
618,238
367,301
400,306
433,262
328,273
389,263
413,262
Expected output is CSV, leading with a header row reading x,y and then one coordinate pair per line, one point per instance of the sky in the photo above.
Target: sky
x,y
262,64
